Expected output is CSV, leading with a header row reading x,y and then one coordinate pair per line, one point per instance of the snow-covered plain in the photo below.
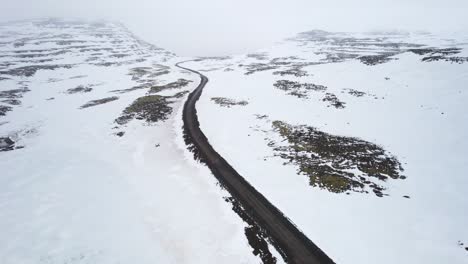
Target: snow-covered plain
x,y
413,106
72,190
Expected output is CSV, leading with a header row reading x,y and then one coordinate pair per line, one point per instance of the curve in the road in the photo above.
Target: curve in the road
x,y
289,240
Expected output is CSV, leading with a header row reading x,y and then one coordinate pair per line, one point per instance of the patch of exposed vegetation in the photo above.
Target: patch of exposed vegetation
x,y
356,93
285,65
145,77
13,94
258,67
4,109
372,60
333,101
258,56
99,102
226,102
256,236
458,60
294,71
462,245
28,71
151,108
337,56
440,54
435,51
336,163
79,89
138,73
12,101
300,90
173,85
180,94
6,144
261,117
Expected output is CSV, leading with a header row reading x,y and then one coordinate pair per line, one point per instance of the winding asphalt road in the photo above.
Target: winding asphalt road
x,y
286,237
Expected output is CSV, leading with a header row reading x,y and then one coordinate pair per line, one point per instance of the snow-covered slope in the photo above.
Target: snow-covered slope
x,y
360,139
89,172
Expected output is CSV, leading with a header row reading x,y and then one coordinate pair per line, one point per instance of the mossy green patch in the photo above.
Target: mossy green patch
x,y
336,163
152,108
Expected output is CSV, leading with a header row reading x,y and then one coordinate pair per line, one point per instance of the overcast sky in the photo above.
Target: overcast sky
x,y
221,27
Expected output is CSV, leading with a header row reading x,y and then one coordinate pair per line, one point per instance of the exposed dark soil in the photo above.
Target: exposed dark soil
x,y
99,102
331,161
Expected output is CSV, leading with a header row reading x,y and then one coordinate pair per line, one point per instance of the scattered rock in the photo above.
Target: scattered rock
x,y
120,134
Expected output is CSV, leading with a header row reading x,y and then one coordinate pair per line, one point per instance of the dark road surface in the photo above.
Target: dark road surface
x,y
285,236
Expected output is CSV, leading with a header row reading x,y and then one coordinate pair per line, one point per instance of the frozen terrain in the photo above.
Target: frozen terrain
x,y
93,164
360,139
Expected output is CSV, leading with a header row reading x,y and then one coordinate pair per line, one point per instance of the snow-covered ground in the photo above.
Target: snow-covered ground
x,y
71,189
386,89
95,170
